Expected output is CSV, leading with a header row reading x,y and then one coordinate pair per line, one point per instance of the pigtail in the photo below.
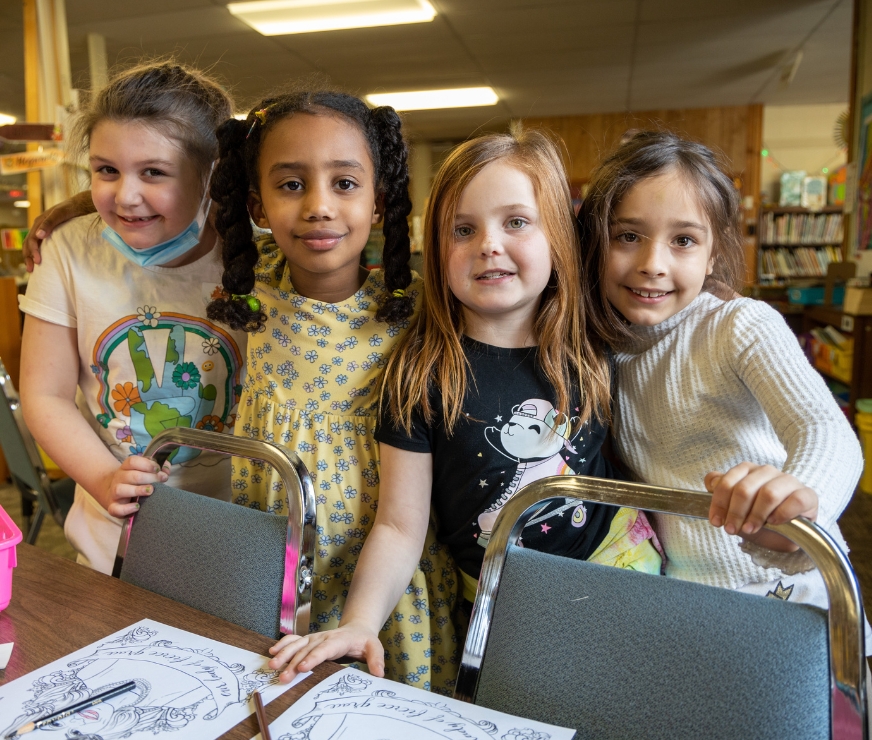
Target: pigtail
x,y
229,192
393,176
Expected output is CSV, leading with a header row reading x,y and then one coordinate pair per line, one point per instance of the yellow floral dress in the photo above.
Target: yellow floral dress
x,y
311,386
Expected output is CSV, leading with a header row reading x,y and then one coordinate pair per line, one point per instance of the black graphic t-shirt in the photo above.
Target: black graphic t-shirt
x,y
510,435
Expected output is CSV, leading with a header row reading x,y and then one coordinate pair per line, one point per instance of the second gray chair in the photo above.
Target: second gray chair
x,y
249,567
617,654
39,494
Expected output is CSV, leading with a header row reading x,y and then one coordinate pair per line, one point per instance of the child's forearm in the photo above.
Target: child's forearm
x,y
383,573
49,375
61,430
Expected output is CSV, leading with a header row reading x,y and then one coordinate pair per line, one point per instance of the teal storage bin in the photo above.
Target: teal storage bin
x,y
815,296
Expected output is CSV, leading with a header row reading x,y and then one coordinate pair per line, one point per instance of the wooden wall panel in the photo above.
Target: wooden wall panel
x,y
10,341
736,133
729,131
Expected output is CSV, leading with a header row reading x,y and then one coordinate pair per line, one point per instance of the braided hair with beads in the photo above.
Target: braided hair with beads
x,y
236,174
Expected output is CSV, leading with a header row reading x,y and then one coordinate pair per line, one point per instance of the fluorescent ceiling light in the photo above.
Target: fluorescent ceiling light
x,y
22,204
279,17
5,119
461,97
240,116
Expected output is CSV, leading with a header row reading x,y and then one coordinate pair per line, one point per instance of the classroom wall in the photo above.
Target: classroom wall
x,y
799,137
734,131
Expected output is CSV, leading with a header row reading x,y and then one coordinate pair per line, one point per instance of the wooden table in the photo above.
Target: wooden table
x,y
58,607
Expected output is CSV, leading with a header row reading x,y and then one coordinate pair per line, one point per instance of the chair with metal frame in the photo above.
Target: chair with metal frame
x,y
616,654
248,567
39,494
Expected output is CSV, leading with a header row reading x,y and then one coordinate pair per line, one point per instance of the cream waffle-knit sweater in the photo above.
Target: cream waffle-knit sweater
x,y
718,384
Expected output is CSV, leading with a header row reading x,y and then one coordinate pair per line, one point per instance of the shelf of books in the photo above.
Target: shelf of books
x,y
796,243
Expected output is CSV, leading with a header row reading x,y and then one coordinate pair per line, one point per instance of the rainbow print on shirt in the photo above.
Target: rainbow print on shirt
x,y
159,370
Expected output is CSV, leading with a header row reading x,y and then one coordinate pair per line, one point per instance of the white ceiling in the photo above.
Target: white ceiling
x,y
543,57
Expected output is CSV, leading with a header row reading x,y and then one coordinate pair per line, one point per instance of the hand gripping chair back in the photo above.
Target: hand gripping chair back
x,y
617,654
248,567
25,464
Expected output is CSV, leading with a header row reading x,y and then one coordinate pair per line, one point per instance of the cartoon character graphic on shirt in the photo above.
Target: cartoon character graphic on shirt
x,y
183,371
534,437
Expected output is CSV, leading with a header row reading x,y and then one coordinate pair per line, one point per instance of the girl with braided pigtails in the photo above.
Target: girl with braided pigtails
x,y
316,171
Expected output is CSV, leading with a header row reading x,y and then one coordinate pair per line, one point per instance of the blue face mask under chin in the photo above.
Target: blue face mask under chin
x,y
169,250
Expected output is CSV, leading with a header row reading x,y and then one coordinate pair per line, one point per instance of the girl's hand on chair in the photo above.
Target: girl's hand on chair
x,y
301,653
749,495
134,478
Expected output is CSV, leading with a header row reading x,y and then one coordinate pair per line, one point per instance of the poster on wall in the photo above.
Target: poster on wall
x,y
864,179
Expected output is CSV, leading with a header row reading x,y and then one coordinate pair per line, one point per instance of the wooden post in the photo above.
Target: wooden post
x,y
751,186
31,101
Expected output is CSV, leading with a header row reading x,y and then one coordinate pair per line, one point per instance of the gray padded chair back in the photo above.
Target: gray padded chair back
x,y
248,567
215,556
25,464
616,654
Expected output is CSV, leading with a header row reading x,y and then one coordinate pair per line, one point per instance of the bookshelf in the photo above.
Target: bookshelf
x,y
795,243
858,328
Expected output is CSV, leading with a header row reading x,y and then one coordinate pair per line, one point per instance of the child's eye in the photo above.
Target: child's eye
x,y
517,223
628,237
460,232
291,185
346,184
152,172
685,241
106,170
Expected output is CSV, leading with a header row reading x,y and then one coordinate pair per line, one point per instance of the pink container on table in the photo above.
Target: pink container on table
x,y
10,536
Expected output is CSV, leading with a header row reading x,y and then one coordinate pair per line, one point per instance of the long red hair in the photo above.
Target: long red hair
x,y
431,354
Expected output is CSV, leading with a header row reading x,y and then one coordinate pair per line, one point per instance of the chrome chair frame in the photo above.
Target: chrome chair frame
x,y
299,557
845,619
45,495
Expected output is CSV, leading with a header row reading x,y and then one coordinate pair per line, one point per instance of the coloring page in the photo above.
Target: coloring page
x,y
352,704
187,686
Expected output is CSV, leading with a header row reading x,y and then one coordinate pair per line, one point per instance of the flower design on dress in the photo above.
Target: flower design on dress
x,y
186,375
211,424
125,395
148,315
211,346
124,434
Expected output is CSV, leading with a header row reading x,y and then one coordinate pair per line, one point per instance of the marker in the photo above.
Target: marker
x,y
64,713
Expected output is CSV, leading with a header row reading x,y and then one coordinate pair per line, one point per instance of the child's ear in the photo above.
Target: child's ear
x,y
378,210
711,265
255,210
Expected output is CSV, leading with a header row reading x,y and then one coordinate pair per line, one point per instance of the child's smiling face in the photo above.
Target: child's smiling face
x,y
317,194
499,261
142,184
660,250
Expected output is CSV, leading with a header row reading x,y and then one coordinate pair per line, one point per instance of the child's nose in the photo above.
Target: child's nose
x,y
318,203
652,260
490,243
129,192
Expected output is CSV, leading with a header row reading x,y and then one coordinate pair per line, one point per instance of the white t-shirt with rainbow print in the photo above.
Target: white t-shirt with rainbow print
x,y
148,360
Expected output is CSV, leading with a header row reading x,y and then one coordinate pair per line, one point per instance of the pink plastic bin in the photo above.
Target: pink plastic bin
x,y
10,536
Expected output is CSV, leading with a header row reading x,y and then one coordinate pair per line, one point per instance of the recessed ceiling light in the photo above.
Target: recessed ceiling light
x,y
5,119
21,204
279,17
461,97
240,116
